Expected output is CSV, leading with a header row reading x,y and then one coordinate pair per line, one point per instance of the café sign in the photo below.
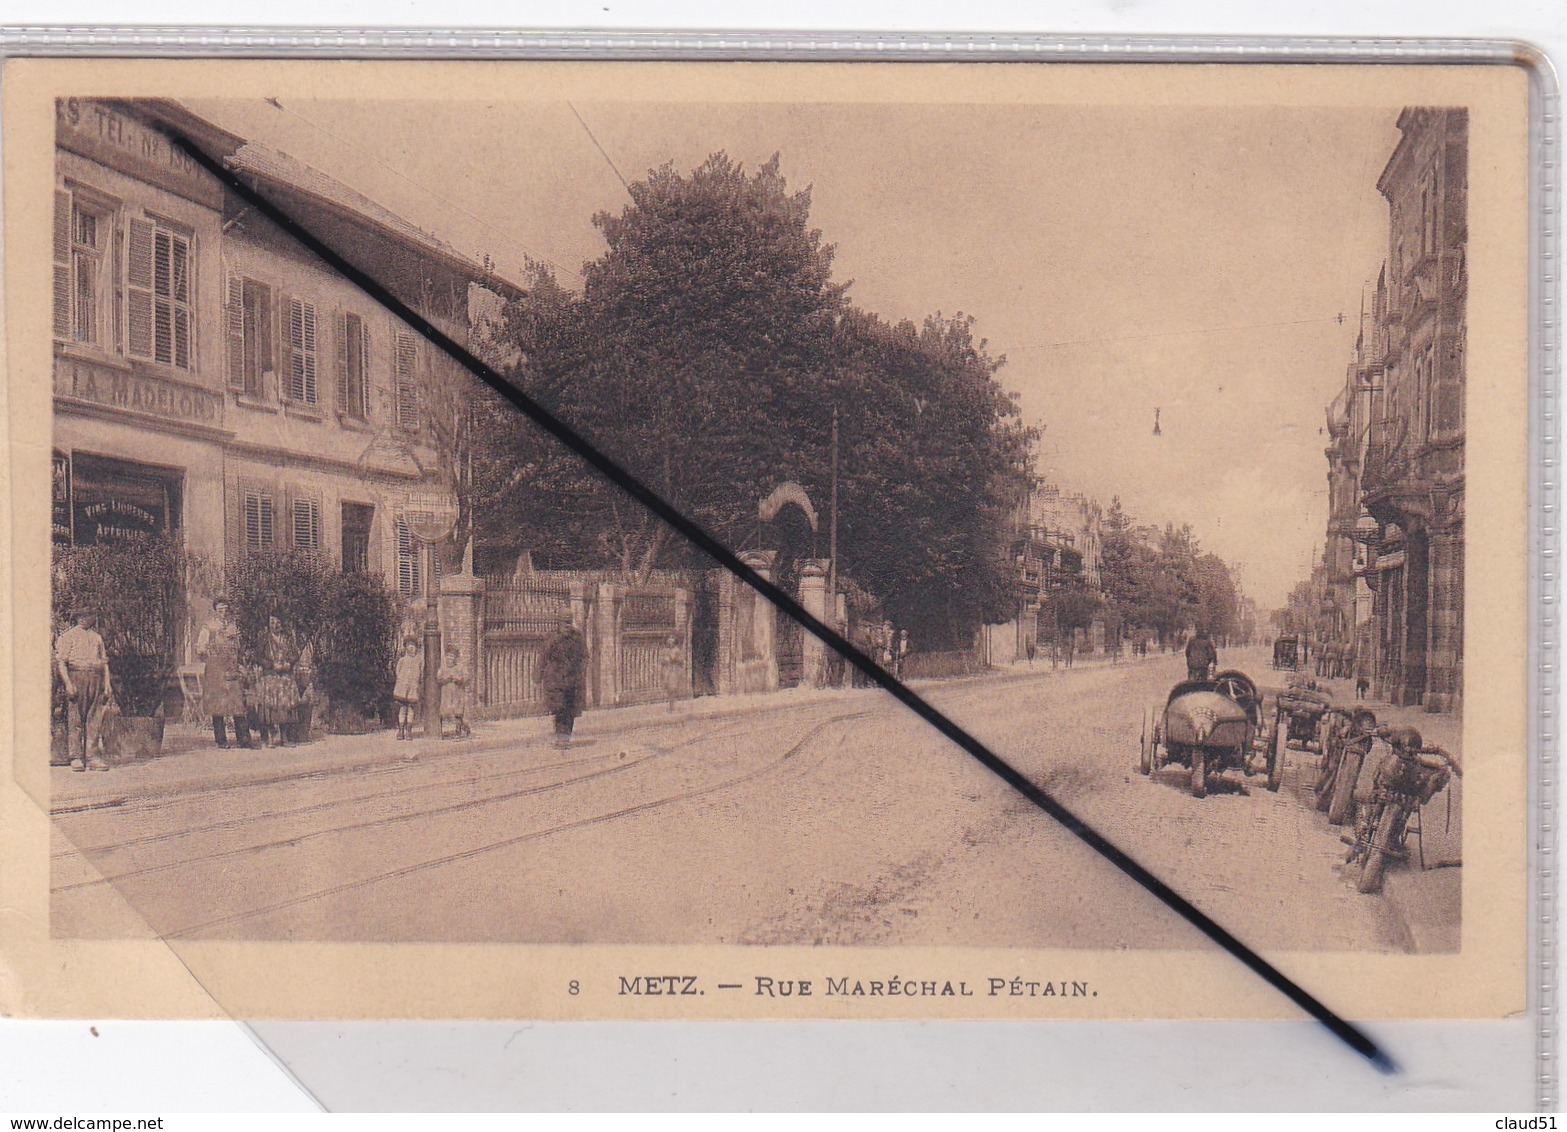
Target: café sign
x,y
137,393
115,139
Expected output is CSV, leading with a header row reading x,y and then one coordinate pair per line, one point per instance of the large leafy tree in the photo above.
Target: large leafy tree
x,y
1218,605
694,356
935,461
707,353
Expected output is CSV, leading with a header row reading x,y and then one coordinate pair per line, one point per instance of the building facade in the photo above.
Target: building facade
x,y
1394,566
1056,550
212,380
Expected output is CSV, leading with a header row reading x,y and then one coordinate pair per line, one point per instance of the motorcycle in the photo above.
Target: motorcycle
x,y
1344,738
1408,777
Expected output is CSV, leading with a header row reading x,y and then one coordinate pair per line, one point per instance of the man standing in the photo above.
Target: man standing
x,y
561,676
1201,656
83,666
223,697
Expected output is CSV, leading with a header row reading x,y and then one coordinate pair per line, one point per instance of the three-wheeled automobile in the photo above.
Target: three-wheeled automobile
x,y
1286,652
1210,726
1298,714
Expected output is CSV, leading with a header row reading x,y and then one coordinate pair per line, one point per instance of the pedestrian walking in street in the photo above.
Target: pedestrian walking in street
x,y
277,695
405,687
83,666
561,676
1030,648
902,654
1201,656
222,690
673,662
1363,674
453,679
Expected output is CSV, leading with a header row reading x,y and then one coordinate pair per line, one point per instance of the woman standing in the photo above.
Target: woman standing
x,y
222,694
277,696
673,662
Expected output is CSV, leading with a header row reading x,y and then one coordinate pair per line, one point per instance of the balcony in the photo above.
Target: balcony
x,y
1387,455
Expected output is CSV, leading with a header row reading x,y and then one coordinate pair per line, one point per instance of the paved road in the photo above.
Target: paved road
x,y
838,820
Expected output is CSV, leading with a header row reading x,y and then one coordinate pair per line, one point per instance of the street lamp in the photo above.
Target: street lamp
x,y
431,515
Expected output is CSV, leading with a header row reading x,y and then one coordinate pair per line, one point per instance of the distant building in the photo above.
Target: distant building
x,y
1057,552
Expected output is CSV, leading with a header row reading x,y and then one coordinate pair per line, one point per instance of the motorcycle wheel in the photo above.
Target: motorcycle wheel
x,y
1377,852
1341,807
1199,773
1276,760
1327,744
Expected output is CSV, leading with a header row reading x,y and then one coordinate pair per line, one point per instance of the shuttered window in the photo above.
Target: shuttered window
x,y
259,533
158,295
409,574
353,357
307,525
406,377
247,320
83,234
302,352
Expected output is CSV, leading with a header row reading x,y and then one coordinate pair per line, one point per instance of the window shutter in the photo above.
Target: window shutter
x,y
162,296
253,542
407,560
407,392
342,363
307,525
296,350
302,351
62,265
138,290
180,287
285,345
309,342
234,320
364,368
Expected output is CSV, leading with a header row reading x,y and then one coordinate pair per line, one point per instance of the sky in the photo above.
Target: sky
x,y
1126,260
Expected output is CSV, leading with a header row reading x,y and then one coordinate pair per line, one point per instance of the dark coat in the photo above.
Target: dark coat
x,y
562,670
1200,653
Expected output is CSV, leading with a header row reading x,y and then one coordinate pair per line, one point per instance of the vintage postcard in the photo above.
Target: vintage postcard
x,y
1124,413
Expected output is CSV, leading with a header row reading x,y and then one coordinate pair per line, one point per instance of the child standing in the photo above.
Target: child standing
x,y
454,694
405,693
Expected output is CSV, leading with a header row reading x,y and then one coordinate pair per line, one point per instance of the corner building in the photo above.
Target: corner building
x,y
1412,474
212,379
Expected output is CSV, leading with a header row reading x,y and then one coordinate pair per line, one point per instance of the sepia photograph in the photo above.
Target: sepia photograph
x,y
1127,433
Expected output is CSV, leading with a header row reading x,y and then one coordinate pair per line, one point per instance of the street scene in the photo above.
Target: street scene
x,y
824,817
345,649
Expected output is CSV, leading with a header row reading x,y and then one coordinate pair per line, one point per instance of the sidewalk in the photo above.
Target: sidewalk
x,y
1428,901
191,763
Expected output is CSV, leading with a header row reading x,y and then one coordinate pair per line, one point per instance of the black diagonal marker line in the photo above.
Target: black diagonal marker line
x,y
695,534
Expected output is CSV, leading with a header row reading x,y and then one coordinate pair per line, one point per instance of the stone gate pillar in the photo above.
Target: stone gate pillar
x,y
813,596
460,607
605,631
758,667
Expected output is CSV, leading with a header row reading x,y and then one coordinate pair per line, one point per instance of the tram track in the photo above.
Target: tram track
x,y
237,822
425,865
